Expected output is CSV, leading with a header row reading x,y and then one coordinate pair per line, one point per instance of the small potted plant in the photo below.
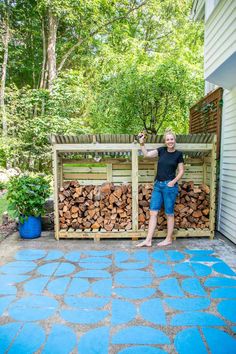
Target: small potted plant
x,y
26,196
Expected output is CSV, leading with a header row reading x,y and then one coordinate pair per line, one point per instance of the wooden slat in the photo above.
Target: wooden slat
x,y
89,176
80,169
134,234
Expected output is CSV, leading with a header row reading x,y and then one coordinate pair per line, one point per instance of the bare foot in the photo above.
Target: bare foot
x,y
145,243
164,243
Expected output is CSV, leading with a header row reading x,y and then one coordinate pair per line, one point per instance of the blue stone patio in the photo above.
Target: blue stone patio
x,y
92,299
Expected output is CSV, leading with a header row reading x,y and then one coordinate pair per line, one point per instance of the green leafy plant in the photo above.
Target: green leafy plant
x,y
27,195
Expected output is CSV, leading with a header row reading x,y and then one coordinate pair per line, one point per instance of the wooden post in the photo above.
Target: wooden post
x,y
60,171
134,189
55,197
204,177
213,188
109,172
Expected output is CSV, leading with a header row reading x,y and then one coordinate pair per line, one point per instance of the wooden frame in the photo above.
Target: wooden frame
x,y
133,148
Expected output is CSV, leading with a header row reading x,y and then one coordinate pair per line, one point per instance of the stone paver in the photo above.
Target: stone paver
x,y
76,296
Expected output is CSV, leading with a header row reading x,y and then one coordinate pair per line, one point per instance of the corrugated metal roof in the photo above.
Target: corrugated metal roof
x,y
125,138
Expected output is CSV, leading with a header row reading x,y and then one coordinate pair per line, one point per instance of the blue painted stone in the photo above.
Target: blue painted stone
x,y
188,304
102,287
95,263
135,293
174,255
56,268
134,278
78,286
33,308
184,269
201,270
64,269
6,289
142,350
7,334
121,256
196,319
205,258
37,285
132,265
159,256
223,268
86,302
227,309
61,340
30,255
49,268
219,342
189,341
5,302
18,267
29,340
83,316
171,287
73,256
193,287
58,286
140,335
54,255
199,252
10,279
95,341
152,310
217,281
227,293
162,270
98,253
141,255
122,312
93,274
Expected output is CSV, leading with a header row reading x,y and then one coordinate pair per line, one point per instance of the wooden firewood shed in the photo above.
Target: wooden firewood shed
x,y
93,160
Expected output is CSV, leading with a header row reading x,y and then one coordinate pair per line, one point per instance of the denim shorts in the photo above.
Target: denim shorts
x,y
163,194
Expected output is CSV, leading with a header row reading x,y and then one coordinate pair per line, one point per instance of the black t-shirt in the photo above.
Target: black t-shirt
x,y
167,163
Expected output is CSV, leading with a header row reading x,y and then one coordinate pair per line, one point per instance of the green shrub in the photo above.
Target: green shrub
x,y
27,195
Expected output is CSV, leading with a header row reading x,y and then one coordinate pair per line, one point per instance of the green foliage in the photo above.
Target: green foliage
x,y
129,65
27,195
2,186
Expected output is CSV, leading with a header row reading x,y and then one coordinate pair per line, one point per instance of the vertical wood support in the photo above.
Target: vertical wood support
x,y
213,189
135,189
55,194
204,177
60,171
109,172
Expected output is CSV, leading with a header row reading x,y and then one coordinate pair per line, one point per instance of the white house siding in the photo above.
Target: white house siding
x,y
227,185
220,35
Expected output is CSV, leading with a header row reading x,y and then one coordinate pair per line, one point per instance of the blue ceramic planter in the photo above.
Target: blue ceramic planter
x,y
31,227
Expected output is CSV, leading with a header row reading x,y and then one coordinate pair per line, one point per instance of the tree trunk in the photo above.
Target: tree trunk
x,y
5,41
51,50
43,81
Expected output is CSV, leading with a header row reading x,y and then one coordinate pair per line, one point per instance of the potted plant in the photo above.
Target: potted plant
x,y
26,196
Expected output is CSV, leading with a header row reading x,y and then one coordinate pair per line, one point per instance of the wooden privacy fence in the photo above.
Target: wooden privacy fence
x,y
205,116
94,160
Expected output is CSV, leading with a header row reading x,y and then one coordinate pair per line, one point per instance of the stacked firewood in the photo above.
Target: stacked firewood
x,y
109,207
191,208
105,208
